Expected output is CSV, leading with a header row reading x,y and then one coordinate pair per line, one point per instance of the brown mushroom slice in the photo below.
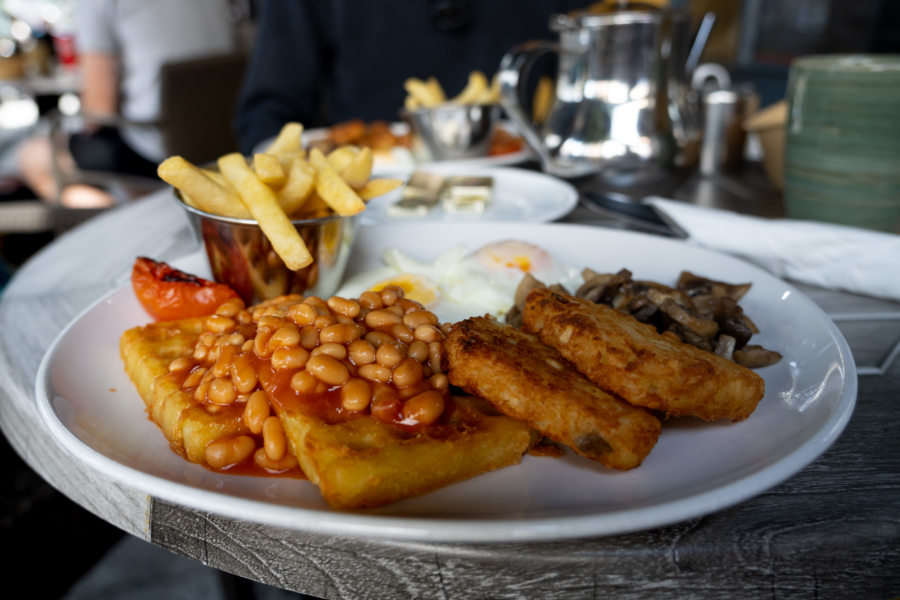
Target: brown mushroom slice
x,y
703,327
558,288
593,287
527,283
641,307
602,288
676,294
753,356
691,337
622,300
748,322
694,285
730,318
514,317
725,346
705,305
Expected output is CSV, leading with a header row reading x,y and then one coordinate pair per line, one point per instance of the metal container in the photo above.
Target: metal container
x,y
621,108
724,135
452,131
242,257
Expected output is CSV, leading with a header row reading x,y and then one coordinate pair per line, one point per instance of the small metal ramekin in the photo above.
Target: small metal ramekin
x,y
242,257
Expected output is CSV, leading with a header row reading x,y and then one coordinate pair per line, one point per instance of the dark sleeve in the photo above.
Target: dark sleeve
x,y
284,78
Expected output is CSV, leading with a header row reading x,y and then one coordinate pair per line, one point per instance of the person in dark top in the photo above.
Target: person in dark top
x,y
320,63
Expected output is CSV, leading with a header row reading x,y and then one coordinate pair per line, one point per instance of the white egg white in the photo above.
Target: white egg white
x,y
465,284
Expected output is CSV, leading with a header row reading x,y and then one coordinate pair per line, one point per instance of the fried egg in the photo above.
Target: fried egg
x,y
460,284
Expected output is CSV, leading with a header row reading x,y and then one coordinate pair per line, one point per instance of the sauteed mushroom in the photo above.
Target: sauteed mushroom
x,y
700,311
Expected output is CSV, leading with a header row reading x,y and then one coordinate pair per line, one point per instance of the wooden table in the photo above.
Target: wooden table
x,y
833,530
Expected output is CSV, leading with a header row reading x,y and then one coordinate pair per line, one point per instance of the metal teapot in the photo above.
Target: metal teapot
x,y
622,106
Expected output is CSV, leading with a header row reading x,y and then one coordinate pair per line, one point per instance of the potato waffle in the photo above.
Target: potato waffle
x,y
363,463
147,352
202,380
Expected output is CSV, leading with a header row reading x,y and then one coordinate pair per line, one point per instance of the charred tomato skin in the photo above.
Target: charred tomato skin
x,y
168,294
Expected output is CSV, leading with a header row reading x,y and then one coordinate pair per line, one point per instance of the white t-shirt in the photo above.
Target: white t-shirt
x,y
145,34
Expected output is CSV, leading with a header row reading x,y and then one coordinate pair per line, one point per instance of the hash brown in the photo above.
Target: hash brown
x,y
532,382
634,361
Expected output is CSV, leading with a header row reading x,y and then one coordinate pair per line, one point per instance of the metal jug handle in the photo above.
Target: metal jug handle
x,y
513,74
699,44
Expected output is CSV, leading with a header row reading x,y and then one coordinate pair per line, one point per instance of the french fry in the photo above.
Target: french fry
x,y
313,208
204,192
411,104
218,178
317,159
491,95
287,158
474,89
262,203
421,91
436,90
378,187
332,189
269,170
300,182
357,172
342,156
287,140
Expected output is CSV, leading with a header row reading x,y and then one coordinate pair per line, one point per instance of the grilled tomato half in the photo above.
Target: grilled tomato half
x,y
168,294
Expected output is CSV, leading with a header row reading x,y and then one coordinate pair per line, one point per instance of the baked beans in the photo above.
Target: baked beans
x,y
182,363
390,354
343,306
230,308
243,375
220,324
379,354
274,441
221,391
256,411
356,394
228,452
332,349
274,466
407,372
328,370
424,408
379,319
290,358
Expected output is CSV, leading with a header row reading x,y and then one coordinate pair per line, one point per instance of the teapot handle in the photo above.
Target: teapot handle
x,y
513,74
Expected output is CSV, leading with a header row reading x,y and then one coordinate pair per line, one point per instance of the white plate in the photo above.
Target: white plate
x,y
401,160
696,468
518,195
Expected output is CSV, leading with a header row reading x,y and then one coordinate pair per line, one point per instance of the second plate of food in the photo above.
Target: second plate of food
x,y
473,194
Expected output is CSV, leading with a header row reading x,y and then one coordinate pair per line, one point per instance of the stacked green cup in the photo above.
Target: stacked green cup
x,y
842,149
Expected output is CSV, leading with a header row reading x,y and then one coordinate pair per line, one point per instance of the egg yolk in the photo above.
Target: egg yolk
x,y
415,287
516,255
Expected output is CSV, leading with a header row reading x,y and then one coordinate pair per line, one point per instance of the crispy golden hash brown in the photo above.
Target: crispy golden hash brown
x,y
530,381
240,389
631,359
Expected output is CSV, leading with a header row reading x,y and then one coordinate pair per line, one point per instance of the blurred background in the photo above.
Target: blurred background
x,y
41,86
